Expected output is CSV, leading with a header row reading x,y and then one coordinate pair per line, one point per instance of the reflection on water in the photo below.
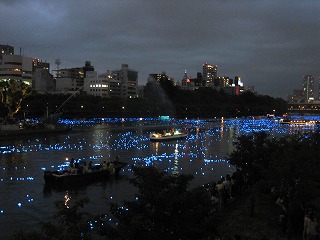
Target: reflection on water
x,y
175,169
25,200
157,147
67,199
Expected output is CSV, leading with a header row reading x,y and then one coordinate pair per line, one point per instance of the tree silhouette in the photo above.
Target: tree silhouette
x,y
164,208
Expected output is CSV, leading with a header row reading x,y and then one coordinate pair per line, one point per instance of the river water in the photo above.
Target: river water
x,y
25,201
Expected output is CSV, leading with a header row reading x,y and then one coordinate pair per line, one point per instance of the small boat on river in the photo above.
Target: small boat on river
x,y
83,175
168,136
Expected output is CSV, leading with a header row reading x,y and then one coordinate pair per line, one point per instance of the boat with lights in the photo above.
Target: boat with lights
x,y
80,176
168,136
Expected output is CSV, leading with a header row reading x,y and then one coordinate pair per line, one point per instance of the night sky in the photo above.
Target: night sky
x,y
270,44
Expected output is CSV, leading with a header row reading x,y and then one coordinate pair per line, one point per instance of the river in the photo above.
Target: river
x,y
24,200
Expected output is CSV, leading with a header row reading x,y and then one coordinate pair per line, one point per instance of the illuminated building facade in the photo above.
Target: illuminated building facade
x,y
222,82
103,85
97,85
16,67
158,76
161,77
34,72
186,83
308,87
209,73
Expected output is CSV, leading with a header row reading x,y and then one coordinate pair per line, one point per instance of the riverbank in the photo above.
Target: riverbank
x,y
235,219
16,132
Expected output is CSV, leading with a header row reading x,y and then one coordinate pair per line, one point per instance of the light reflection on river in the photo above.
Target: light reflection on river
x,y
24,201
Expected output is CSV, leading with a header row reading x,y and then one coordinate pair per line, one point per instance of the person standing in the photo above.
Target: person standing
x,y
227,184
310,227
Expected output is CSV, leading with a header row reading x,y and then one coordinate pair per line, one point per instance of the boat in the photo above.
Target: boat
x,y
79,176
168,136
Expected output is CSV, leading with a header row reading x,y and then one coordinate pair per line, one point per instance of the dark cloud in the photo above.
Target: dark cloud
x,y
270,44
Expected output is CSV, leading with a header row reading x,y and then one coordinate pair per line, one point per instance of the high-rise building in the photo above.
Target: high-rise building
x,y
33,72
37,63
222,82
158,76
42,80
296,97
128,79
16,67
209,73
70,80
6,50
308,87
186,83
161,77
96,85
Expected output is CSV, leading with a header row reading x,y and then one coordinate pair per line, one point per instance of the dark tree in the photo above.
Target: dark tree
x,y
164,208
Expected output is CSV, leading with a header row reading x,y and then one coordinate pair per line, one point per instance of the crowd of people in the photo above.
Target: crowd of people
x,y
230,188
81,167
303,219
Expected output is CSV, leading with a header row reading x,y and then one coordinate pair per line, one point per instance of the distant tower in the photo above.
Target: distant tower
x,y
308,87
58,62
185,76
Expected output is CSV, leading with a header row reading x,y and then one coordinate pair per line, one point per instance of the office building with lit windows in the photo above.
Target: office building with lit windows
x,y
158,76
32,71
16,67
209,73
121,83
97,85
308,87
128,79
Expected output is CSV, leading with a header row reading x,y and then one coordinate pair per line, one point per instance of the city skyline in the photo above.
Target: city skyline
x,y
269,44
